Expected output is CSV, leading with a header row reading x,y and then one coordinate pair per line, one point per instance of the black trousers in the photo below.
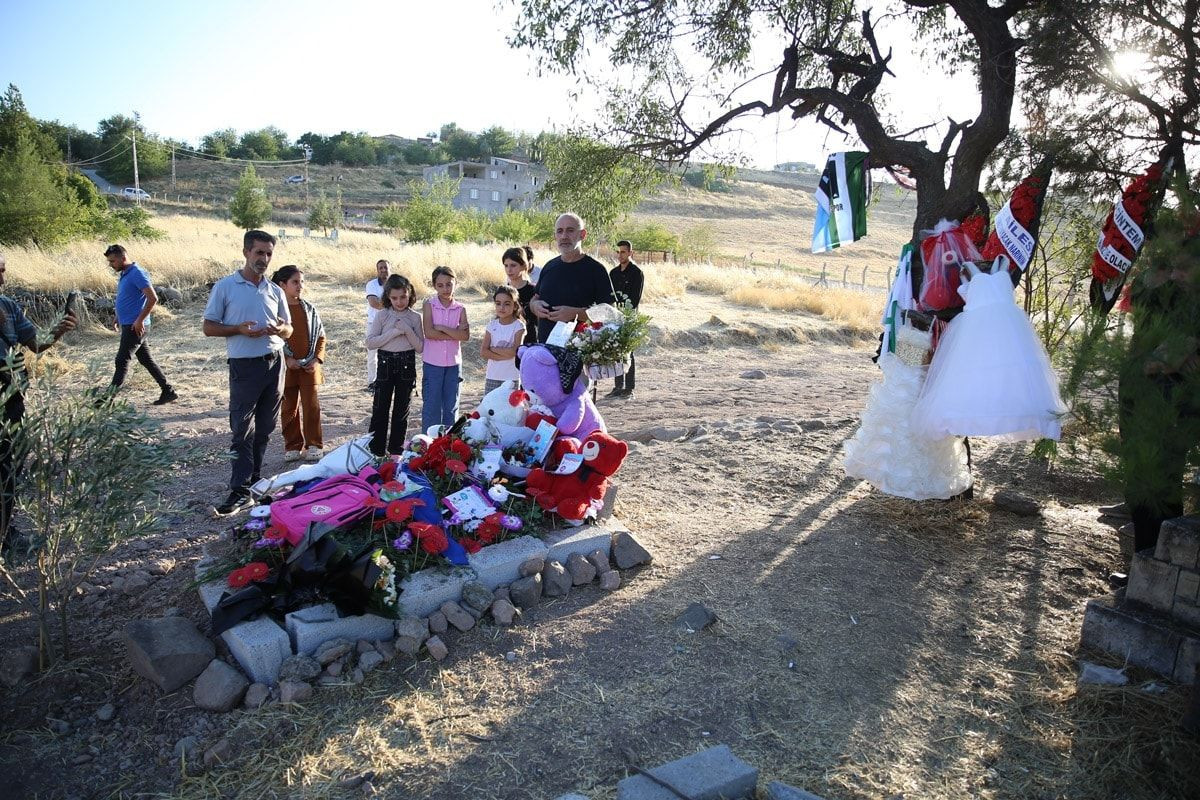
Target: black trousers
x,y
14,411
395,378
626,380
134,345
255,394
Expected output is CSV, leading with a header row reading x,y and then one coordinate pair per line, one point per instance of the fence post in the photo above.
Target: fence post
x,y
864,278
845,271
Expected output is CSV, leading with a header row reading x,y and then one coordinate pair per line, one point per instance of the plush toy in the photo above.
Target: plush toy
x,y
500,417
348,459
555,375
573,496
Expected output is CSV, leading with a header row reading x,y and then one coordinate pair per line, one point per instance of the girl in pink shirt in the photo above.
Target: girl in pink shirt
x,y
444,321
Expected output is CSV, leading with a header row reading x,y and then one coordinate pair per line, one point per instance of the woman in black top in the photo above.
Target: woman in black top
x,y
516,267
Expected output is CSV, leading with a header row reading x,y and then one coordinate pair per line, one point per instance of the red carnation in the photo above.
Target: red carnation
x,y
461,448
488,530
257,570
387,470
470,545
455,466
417,463
398,511
435,543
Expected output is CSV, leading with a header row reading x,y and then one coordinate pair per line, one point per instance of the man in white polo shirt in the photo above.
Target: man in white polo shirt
x,y
374,305
251,313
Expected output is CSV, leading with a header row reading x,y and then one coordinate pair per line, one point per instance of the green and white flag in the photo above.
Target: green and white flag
x,y
841,201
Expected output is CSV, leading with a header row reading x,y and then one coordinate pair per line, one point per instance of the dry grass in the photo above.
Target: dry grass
x,y
199,250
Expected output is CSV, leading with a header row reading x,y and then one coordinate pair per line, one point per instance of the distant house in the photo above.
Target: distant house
x,y
795,166
494,185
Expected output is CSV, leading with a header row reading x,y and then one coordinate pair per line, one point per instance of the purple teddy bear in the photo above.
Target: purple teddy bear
x,y
545,371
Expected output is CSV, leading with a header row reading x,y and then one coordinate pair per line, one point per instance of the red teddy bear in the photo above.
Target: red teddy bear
x,y
571,495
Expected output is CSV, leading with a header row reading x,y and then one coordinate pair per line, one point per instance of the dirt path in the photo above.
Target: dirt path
x,y
866,647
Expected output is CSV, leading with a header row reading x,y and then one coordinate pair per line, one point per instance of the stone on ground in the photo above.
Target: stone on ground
x,y
220,752
299,668
582,571
256,695
438,623
106,712
457,617
16,664
411,633
627,551
599,560
712,774
526,592
532,566
556,581
168,651
437,648
477,596
696,617
503,612
370,661
332,650
294,691
1016,503
220,687
781,791
610,581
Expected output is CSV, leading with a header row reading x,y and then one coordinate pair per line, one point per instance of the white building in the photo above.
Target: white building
x,y
494,185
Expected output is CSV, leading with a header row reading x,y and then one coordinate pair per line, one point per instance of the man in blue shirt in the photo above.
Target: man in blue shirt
x,y
251,313
136,298
15,329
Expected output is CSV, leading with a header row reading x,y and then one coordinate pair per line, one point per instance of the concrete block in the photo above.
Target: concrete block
x,y
210,595
712,774
1130,634
1179,542
583,540
260,646
311,627
781,791
610,502
1152,582
1187,614
423,592
1187,660
1187,588
499,564
1125,537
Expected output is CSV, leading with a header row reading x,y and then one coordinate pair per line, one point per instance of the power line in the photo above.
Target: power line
x,y
231,160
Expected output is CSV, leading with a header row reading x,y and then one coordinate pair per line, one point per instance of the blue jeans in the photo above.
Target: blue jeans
x,y
439,395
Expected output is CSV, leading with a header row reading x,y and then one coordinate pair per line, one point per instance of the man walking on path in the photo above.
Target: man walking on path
x,y
136,298
374,305
627,281
251,313
570,283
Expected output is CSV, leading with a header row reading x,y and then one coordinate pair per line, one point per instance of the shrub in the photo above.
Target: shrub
x,y
250,207
91,476
649,237
514,227
698,243
326,214
428,215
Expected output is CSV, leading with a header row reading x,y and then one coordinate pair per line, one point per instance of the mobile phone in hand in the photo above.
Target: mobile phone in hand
x,y
72,300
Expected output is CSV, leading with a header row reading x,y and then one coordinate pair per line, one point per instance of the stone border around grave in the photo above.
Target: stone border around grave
x,y
261,645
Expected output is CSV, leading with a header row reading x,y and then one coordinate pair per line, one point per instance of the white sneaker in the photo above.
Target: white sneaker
x,y
292,455
313,453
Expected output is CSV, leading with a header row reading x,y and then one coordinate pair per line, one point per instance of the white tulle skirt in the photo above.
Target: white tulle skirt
x,y
990,376
886,453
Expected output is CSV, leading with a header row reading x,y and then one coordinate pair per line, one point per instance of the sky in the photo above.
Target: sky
x,y
379,66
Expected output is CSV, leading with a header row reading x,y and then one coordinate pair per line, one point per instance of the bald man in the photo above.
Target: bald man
x,y
571,282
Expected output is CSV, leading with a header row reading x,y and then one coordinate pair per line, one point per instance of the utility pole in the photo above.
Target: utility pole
x,y
307,156
172,166
136,185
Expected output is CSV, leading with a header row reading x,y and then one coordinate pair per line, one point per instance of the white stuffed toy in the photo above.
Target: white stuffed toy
x,y
500,417
348,459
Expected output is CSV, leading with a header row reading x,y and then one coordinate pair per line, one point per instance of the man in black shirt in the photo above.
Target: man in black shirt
x,y
570,283
627,281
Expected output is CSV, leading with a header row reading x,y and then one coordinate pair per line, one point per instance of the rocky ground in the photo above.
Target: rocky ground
x,y
864,646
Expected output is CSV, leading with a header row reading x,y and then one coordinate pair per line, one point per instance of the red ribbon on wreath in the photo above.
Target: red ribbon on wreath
x,y
1016,226
1123,233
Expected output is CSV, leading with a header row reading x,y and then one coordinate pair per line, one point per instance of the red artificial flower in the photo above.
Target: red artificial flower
x,y
274,532
455,466
396,487
435,543
417,463
238,578
373,502
975,226
257,570
387,470
517,396
470,545
461,449
398,512
488,530
580,327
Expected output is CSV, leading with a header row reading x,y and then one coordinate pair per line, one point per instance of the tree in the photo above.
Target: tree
x,y
220,143
15,122
829,66
116,132
326,214
354,149
496,141
461,145
430,211
599,182
250,207
266,144
35,206
514,227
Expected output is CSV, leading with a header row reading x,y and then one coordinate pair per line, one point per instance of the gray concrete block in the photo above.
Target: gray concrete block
x,y
1125,537
1179,542
781,791
610,502
1130,635
583,540
712,774
1187,588
260,646
1152,582
499,564
311,627
1187,614
423,592
210,595
1186,660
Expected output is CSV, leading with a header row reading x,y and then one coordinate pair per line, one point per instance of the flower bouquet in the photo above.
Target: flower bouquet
x,y
607,340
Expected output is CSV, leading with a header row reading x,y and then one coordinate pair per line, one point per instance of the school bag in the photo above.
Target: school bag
x,y
335,501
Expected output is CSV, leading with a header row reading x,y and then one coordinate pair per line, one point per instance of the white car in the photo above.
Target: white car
x,y
131,193
294,179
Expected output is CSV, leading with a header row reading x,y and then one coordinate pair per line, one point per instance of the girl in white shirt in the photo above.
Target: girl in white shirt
x,y
501,338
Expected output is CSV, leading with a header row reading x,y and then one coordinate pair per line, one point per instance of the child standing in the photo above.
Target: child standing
x,y
445,326
304,352
516,267
395,333
501,339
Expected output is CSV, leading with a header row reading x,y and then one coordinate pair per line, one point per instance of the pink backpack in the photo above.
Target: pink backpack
x,y
336,501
